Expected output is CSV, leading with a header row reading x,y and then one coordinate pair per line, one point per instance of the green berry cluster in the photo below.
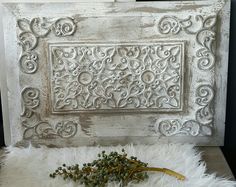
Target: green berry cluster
x,y
107,168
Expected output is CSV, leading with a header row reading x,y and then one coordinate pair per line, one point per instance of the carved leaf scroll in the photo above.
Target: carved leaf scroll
x,y
30,33
202,125
202,27
205,35
37,128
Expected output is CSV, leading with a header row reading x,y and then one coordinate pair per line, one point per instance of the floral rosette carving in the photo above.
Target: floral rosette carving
x,y
30,33
203,122
205,35
37,128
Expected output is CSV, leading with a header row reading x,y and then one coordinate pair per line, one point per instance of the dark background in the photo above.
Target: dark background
x,y
229,149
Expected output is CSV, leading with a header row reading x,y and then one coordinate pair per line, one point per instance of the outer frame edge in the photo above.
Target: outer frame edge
x,y
222,74
3,85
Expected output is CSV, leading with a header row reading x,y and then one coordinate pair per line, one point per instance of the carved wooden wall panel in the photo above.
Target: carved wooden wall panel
x,y
111,73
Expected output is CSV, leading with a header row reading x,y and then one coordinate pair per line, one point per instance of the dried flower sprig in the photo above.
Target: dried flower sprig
x,y
110,167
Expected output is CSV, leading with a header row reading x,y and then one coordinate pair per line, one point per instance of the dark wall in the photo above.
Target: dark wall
x,y
230,139
229,149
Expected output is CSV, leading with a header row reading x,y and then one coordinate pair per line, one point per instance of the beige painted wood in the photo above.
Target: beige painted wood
x,y
216,162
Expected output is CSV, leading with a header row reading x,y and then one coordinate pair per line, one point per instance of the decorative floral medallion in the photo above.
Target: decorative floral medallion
x,y
125,76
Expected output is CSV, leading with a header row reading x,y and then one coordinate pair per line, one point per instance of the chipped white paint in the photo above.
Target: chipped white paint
x,y
116,72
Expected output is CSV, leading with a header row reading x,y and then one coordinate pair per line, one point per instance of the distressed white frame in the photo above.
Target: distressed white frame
x,y
219,98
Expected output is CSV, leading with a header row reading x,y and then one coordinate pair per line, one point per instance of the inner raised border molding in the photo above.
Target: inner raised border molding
x,y
146,76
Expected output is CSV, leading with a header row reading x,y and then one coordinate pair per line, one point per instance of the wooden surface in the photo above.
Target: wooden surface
x,y
214,159
216,162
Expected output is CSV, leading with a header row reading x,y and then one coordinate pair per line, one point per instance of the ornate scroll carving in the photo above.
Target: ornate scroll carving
x,y
37,128
202,125
30,101
173,25
32,30
203,29
205,35
130,76
43,129
173,127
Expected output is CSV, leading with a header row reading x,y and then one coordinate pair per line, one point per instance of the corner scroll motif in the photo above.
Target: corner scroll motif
x,y
30,33
202,125
205,35
37,128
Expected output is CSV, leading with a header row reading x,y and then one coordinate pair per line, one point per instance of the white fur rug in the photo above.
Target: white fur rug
x,y
30,167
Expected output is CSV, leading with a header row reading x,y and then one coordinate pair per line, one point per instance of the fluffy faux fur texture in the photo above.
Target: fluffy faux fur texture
x,y
30,167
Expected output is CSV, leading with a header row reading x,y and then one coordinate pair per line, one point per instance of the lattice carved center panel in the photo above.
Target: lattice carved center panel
x,y
87,77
